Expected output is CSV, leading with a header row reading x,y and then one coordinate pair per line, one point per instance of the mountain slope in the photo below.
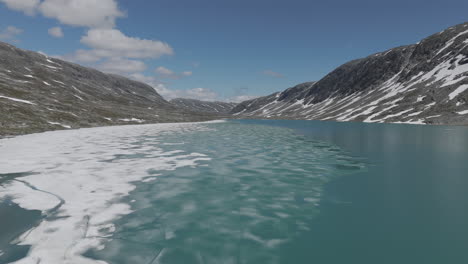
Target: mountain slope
x,y
38,93
204,106
421,83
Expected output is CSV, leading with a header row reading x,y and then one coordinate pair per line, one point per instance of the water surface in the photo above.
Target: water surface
x,y
409,206
248,191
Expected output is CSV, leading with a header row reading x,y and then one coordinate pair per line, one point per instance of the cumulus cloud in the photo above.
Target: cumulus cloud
x,y
105,42
241,98
165,73
26,6
10,33
87,13
155,83
119,65
113,43
203,94
199,93
56,32
163,90
273,74
79,56
150,80
99,15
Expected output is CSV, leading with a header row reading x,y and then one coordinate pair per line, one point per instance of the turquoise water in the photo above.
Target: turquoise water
x,y
410,206
260,191
290,192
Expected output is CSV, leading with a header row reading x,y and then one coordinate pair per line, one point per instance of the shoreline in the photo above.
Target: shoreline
x,y
233,118
2,137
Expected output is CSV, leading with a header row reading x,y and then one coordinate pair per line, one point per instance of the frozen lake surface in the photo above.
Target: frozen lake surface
x,y
235,192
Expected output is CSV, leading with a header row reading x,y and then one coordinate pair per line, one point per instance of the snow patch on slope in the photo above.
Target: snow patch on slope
x,y
17,100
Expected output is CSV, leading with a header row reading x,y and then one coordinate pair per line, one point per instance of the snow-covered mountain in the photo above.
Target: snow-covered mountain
x,y
204,106
424,83
38,93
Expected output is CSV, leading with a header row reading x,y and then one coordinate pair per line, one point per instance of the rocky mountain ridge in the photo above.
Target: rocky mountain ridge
x,y
215,107
424,83
39,93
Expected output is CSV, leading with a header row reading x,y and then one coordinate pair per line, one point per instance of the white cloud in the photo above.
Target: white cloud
x,y
203,94
27,6
241,98
88,13
10,33
165,73
273,74
122,66
113,43
163,90
107,45
56,32
150,80
199,93
80,56
155,83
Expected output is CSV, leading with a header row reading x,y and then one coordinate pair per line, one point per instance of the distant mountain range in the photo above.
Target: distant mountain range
x,y
38,93
424,83
204,106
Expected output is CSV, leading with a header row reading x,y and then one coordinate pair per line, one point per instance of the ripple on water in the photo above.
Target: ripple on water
x,y
260,190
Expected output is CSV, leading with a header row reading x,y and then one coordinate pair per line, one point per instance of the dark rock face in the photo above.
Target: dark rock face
x,y
424,83
204,106
38,93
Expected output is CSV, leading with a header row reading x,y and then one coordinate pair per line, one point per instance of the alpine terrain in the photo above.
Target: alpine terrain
x,y
204,106
424,83
38,93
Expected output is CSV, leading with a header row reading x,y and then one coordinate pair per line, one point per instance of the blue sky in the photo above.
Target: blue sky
x,y
227,50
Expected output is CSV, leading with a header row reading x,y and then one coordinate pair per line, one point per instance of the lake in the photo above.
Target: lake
x,y
240,191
